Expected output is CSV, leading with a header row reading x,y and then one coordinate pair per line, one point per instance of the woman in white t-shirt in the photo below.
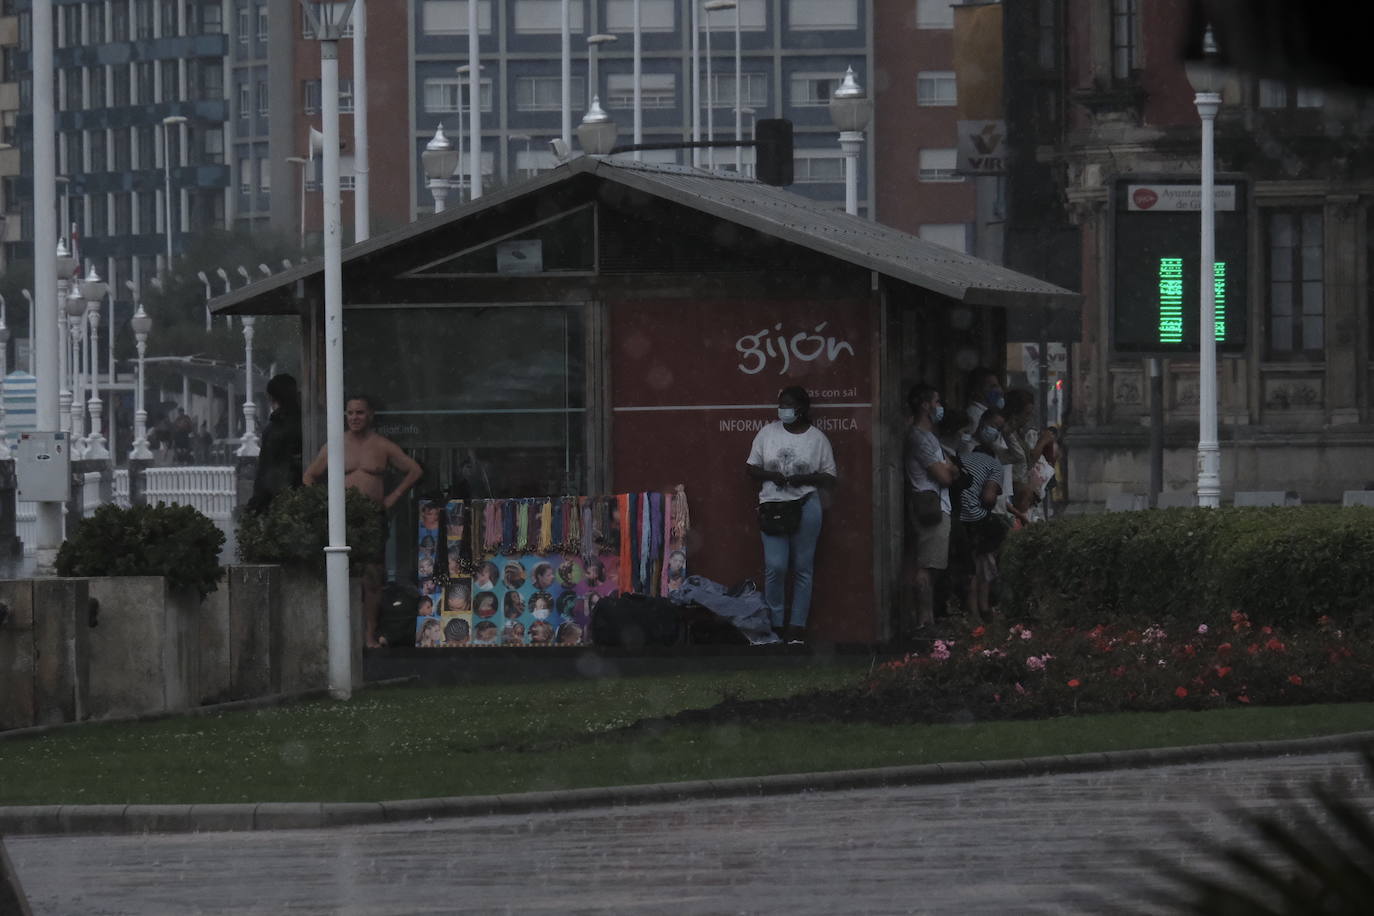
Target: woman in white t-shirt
x,y
791,459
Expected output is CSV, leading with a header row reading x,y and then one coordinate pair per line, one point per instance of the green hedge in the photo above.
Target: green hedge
x,y
1287,565
176,542
295,529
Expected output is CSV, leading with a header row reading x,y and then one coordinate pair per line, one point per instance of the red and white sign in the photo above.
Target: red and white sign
x,y
691,384
1173,198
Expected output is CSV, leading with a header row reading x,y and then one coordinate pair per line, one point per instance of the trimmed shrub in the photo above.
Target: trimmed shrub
x,y
175,542
1290,565
295,529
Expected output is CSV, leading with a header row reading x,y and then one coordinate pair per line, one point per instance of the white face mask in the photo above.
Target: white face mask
x,y
787,414
541,613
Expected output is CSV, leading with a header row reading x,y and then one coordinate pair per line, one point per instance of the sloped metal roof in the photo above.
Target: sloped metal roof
x,y
764,208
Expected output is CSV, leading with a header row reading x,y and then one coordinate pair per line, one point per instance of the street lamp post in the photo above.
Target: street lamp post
x,y
4,355
329,20
66,270
93,290
1206,79
167,122
465,73
746,110
712,6
565,71
141,325
850,111
594,43
76,327
209,294
439,161
304,164
638,81
475,105
597,131
248,445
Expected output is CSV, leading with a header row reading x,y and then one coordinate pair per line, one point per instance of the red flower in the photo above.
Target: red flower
x,y
1181,692
1213,693
1243,698
1189,650
1324,620
1222,671
978,631
1253,648
1075,683
1119,671
1224,647
1237,616
1273,645
1295,679
1266,630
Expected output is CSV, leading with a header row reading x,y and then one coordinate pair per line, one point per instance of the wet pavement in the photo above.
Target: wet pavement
x,y
1053,844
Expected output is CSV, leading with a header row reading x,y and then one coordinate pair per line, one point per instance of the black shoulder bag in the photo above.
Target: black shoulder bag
x,y
781,517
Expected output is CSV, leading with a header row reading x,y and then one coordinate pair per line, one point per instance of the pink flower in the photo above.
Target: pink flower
x,y
1035,664
1019,689
1025,634
1181,692
941,651
1202,629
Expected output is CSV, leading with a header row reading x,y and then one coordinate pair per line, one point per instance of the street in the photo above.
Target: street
x,y
1046,845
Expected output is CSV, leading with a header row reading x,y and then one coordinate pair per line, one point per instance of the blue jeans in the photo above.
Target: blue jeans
x,y
800,548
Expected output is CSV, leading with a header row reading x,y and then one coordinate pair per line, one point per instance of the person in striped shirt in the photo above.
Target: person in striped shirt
x,y
982,531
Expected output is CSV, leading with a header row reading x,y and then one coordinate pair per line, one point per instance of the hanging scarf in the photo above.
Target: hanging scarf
x,y
667,533
645,541
656,542
493,527
589,538
508,526
522,526
626,548
681,519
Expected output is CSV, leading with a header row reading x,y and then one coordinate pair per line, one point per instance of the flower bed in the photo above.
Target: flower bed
x,y
1025,672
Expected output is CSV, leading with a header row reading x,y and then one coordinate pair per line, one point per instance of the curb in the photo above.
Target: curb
x,y
74,820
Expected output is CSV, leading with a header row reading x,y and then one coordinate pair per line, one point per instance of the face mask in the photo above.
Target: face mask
x,y
995,399
787,414
541,613
989,435
938,414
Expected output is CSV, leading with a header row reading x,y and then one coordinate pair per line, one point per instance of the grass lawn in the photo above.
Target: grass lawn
x,y
405,742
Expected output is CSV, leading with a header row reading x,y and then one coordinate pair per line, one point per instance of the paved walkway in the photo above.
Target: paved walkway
x,y
1047,844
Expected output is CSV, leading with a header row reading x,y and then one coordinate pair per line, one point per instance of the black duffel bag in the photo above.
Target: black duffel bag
x,y
632,621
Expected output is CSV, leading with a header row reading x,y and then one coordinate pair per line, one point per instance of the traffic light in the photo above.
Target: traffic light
x,y
773,151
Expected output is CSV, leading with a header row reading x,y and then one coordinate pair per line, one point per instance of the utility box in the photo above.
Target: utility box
x,y
42,467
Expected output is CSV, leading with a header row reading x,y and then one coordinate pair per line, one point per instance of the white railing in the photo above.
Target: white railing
x,y
210,490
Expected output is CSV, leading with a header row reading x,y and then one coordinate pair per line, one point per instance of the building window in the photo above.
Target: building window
x,y
262,98
345,95
146,81
939,165
143,19
264,176
1125,38
657,90
245,25
96,98
310,90
348,180
245,176
171,81
1295,281
934,14
119,85
148,213
211,19
545,17
146,146
245,99
936,88
122,149
441,95
950,235
545,93
450,17
1047,29
654,16
209,80
100,215
97,151
95,24
262,25
754,92
73,99
123,214
119,22
812,89
818,15
69,27
212,145
1275,94
169,19
816,166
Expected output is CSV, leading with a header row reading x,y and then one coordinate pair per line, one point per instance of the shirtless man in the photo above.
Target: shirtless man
x,y
367,455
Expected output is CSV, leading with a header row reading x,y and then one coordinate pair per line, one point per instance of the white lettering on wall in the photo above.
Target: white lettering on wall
x,y
773,344
824,424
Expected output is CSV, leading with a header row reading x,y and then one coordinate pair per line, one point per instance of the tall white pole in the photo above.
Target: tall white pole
x,y
336,554
567,76
710,97
48,309
474,104
33,343
140,450
739,99
248,444
96,445
695,93
1208,448
459,172
362,221
4,354
64,352
638,84
167,190
850,143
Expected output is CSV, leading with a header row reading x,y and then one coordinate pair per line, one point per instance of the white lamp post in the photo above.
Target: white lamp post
x,y
209,294
93,290
76,326
566,72
329,20
464,73
248,445
746,110
228,287
4,355
594,43
66,269
167,123
141,325
696,81
33,344
304,164
638,81
597,131
712,6
475,108
850,111
1206,79
439,160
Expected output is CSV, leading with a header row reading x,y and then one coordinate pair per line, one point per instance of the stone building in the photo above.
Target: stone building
x,y
1105,151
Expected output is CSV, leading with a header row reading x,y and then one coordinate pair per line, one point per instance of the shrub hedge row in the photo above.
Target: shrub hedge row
x,y
1288,565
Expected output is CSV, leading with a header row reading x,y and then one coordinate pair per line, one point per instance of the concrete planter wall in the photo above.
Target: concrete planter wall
x,y
155,649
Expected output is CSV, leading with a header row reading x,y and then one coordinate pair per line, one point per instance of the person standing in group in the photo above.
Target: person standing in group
x,y
1027,446
984,391
980,531
280,454
367,456
792,460
929,475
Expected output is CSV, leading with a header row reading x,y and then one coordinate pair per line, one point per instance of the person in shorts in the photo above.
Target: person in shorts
x,y
926,544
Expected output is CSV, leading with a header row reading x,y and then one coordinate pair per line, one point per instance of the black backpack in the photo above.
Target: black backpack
x,y
632,621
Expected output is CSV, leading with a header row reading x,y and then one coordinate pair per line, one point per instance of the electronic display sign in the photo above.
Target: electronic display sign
x,y
1157,272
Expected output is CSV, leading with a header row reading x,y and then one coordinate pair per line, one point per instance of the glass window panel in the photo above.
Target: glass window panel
x,y
823,14
1281,333
1311,262
1312,227
1312,297
934,14
545,17
1281,298
1281,230
1311,98
1273,94
1312,334
654,16
1281,264
450,17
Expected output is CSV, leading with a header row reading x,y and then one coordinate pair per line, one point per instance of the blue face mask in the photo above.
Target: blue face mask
x,y
995,399
989,435
787,414
938,414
